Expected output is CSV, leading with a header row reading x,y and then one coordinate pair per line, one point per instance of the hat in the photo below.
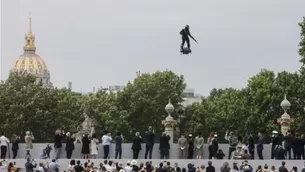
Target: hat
x,y
215,135
190,135
133,162
274,132
128,162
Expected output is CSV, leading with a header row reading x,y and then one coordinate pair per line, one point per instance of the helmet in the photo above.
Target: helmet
x,y
187,26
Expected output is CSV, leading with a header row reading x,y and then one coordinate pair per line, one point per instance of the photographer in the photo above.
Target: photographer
x,y
276,138
28,138
30,165
15,145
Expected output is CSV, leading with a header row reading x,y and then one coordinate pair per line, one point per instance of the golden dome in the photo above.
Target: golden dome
x,y
29,61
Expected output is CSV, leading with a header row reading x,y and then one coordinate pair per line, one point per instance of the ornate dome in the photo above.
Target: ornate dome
x,y
30,62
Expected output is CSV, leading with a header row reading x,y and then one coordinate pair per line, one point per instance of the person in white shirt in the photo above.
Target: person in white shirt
x,y
128,168
3,145
111,167
106,139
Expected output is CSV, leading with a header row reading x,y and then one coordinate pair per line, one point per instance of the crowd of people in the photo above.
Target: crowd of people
x,y
134,166
283,147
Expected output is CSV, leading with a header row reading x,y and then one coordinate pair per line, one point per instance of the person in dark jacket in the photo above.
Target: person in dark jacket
x,y
150,141
118,145
276,140
283,168
69,145
190,153
15,145
260,146
251,145
164,146
59,135
299,146
210,168
136,145
214,146
30,165
288,139
279,153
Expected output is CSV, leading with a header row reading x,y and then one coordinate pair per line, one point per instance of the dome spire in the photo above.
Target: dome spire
x,y
30,23
29,46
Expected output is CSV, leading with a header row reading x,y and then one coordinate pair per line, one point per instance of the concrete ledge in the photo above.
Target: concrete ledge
x,y
64,163
126,153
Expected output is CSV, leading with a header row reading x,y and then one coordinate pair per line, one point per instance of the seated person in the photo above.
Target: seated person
x,y
220,154
238,153
43,154
246,155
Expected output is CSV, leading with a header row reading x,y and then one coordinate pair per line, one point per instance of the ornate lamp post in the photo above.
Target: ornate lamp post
x,y
285,119
169,122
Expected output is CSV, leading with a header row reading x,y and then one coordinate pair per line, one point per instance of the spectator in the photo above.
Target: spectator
x,y
106,139
294,169
85,146
283,168
53,165
78,167
128,168
15,145
210,168
43,154
69,145
3,145
72,166
235,167
30,165
273,169
94,144
220,154
225,167
136,145
118,145
59,134
41,167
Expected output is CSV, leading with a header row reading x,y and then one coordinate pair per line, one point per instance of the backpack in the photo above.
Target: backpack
x,y
233,141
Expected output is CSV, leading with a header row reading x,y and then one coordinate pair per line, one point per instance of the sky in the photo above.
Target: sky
x,y
100,43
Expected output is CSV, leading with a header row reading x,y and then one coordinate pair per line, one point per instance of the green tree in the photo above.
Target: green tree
x,y
302,42
25,105
144,100
103,108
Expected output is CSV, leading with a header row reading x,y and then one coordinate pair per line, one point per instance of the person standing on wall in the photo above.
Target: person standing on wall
x,y
118,145
15,145
136,145
106,140
59,135
164,146
251,145
150,141
3,145
260,146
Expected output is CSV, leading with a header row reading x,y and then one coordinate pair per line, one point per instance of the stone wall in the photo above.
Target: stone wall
x,y
127,152
64,163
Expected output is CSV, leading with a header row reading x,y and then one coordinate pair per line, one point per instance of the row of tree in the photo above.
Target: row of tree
x,y
25,105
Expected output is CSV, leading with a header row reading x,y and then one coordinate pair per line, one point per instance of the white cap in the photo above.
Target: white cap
x,y
133,162
275,132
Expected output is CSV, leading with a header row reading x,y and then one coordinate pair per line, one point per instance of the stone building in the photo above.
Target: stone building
x,y
30,62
